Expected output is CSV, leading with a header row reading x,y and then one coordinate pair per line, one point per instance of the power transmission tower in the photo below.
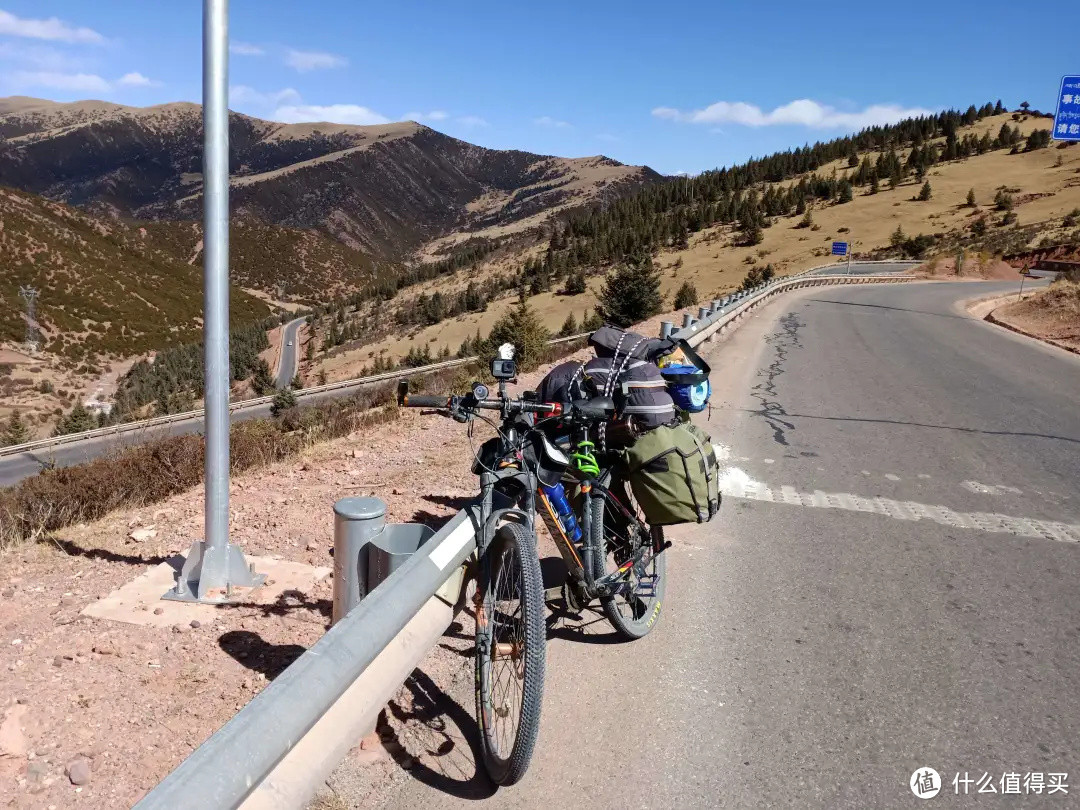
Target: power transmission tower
x,y
29,295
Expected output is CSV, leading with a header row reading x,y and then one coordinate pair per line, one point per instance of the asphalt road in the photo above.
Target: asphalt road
x,y
290,352
816,649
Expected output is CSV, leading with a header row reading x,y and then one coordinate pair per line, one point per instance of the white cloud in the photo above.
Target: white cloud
x,y
39,57
72,82
554,123
245,48
434,115
52,29
242,94
303,61
802,112
137,80
471,121
336,113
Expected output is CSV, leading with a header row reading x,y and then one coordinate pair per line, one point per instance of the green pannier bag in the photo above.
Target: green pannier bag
x,y
674,475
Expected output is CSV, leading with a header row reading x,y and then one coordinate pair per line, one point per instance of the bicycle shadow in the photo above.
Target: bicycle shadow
x,y
442,749
585,626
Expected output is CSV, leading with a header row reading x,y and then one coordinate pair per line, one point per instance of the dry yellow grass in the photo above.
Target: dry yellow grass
x,y
716,267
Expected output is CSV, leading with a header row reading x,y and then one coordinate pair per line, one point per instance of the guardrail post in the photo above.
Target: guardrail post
x,y
666,328
356,522
702,313
717,304
687,319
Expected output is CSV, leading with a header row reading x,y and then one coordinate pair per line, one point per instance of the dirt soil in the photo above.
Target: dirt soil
x,y
127,703
977,268
1052,314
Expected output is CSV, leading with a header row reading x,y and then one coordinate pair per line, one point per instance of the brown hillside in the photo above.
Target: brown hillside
x,y
1044,183
384,189
103,289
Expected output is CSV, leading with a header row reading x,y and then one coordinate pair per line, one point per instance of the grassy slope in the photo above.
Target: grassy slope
x,y
291,263
715,266
103,291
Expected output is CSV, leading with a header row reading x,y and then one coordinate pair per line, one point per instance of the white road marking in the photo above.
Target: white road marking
x,y
735,483
989,489
892,477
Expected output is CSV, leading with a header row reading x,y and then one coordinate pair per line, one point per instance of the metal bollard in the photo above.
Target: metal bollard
x,y
717,304
666,328
702,313
687,319
356,522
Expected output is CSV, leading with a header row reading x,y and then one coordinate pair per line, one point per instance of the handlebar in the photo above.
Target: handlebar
x,y
452,403
424,401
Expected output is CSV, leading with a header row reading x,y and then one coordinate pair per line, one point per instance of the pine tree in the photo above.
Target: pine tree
x,y
631,292
569,326
807,220
521,327
686,296
898,237
261,381
874,185
971,198
926,192
16,431
575,283
78,420
846,193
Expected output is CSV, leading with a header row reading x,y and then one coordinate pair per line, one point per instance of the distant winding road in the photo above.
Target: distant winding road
x,y
290,353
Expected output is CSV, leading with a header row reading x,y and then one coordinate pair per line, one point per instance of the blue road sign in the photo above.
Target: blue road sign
x,y
1067,120
839,248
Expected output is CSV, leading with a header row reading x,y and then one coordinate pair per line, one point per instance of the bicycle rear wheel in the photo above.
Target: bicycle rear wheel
x,y
634,610
510,652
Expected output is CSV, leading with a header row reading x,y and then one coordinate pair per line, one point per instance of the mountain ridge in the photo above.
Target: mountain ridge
x,y
386,189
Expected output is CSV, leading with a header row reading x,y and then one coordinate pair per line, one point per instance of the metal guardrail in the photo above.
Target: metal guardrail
x,y
232,765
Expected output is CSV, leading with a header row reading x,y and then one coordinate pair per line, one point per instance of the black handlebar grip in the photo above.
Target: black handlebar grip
x,y
424,401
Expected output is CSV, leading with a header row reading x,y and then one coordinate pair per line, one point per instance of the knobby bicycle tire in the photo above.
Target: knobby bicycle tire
x,y
512,556
633,618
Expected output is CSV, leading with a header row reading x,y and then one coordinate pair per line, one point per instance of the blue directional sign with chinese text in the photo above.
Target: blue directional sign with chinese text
x,y
839,248
1067,120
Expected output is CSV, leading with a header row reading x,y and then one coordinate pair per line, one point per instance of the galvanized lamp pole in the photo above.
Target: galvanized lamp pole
x,y
214,566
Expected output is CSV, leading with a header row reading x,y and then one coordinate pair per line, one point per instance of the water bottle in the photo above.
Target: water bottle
x,y
556,494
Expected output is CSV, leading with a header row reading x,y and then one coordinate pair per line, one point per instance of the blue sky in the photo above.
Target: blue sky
x,y
680,86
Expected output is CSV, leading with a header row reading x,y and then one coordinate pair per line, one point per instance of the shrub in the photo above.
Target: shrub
x,y
283,400
16,431
686,296
971,198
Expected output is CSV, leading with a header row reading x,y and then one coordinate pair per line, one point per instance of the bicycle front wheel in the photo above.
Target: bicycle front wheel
x,y
510,652
619,531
